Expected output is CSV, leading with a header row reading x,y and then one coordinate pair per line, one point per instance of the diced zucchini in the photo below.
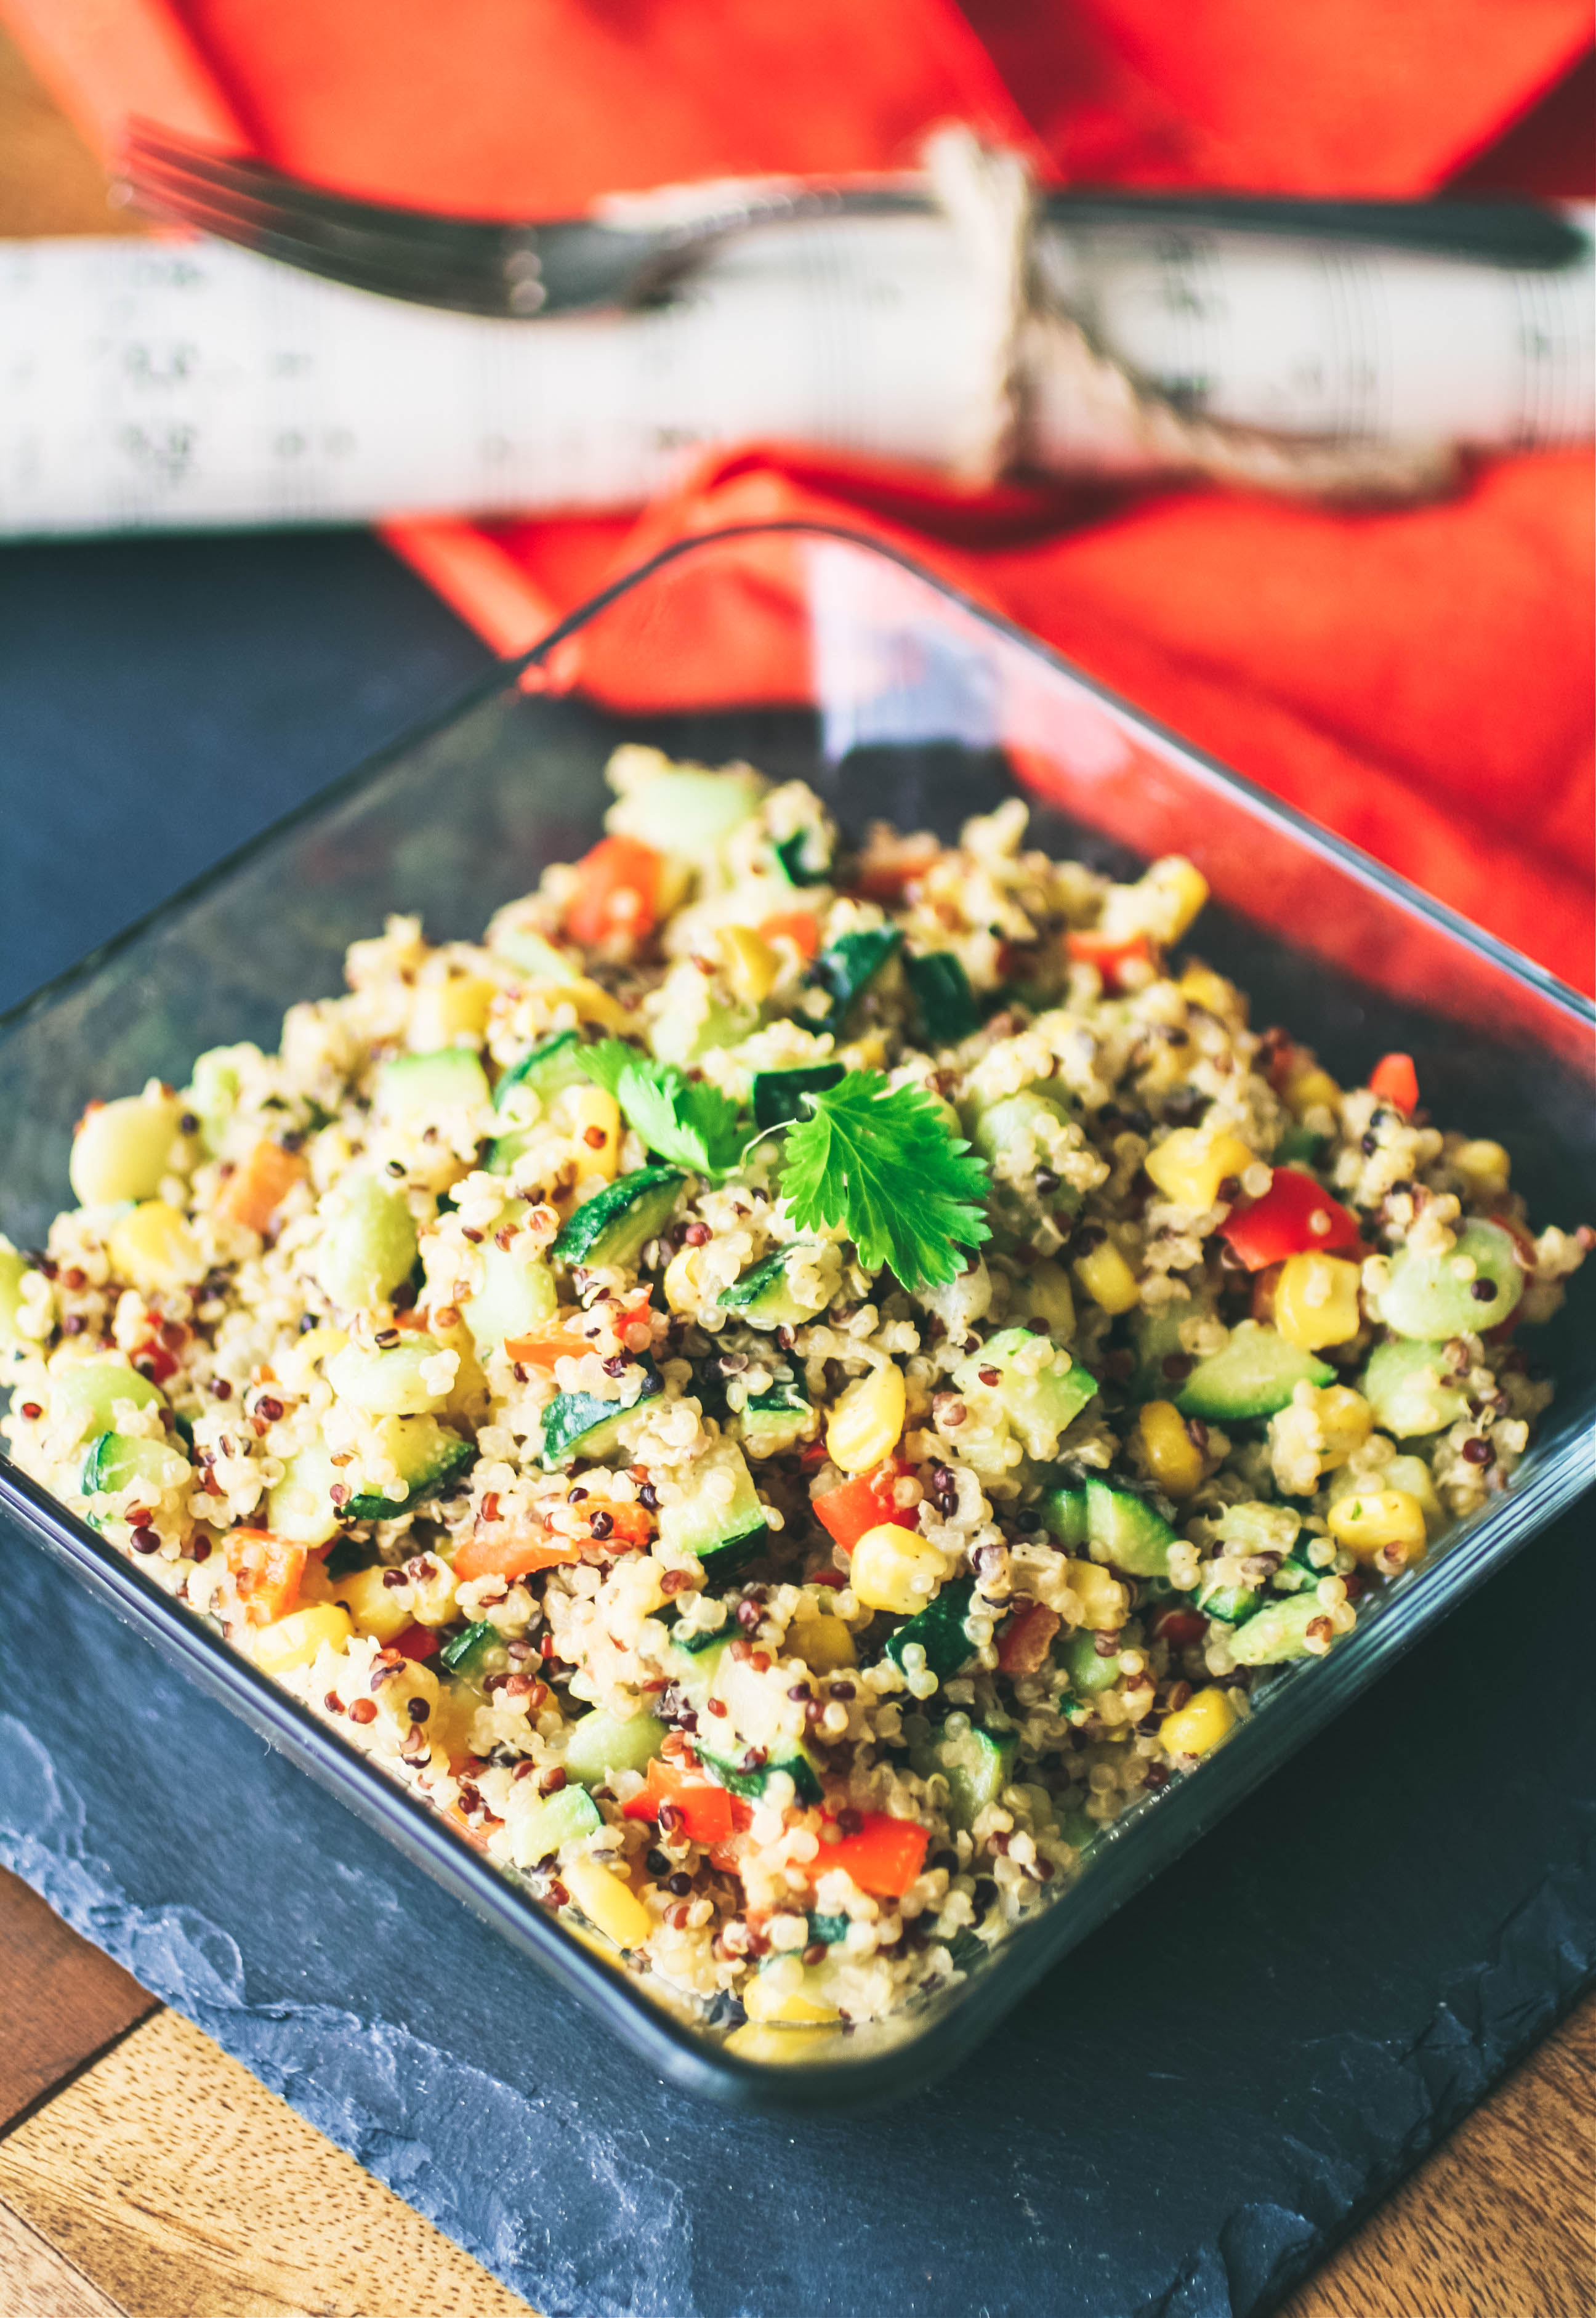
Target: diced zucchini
x,y
15,1268
1299,1147
765,1295
212,1092
719,1517
614,1227
804,857
1427,1297
300,1506
778,1095
472,1656
777,1420
1121,1528
116,1461
1063,1511
368,1244
1255,1375
418,1086
686,810
547,1070
517,1297
735,1774
1088,1673
600,1743
121,1149
978,1763
1156,1336
1404,1385
694,1664
386,1383
425,1454
1039,1389
562,1819
845,966
939,1630
580,1425
1229,1603
90,1391
1024,1130
942,994
1278,1631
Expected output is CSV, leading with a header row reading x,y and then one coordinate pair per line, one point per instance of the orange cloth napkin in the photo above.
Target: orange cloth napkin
x,y
1419,680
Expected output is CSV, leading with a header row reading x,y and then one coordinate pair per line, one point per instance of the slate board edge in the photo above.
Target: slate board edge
x,y
173,1952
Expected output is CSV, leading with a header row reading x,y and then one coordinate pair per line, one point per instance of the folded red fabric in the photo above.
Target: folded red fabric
x,y
1419,680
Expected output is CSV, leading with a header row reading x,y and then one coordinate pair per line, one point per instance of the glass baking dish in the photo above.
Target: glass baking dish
x,y
815,654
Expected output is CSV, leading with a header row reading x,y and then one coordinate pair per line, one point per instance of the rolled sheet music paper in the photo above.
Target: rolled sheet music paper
x,y
179,384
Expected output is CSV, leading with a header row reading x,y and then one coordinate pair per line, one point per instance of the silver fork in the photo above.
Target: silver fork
x,y
570,265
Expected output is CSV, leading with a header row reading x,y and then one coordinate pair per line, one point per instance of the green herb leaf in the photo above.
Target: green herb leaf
x,y
694,1124
886,1169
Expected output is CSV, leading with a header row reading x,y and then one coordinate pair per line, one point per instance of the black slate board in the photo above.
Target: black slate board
x,y
1193,2107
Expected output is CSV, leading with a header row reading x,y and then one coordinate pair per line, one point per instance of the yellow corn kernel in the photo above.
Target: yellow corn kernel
x,y
895,1569
751,964
153,1249
378,1610
1108,1279
823,1643
683,1292
585,1114
120,1149
1198,1726
1105,1603
610,1906
443,1011
593,1004
298,1364
1189,1165
1368,1521
1484,1168
867,1420
866,1053
1316,1300
294,1641
763,2040
1179,889
774,2006
1173,1457
1199,986
1346,1420
1046,1295
1311,1089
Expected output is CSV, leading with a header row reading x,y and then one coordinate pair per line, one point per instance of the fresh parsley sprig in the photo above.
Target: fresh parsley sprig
x,y
885,1167
680,1119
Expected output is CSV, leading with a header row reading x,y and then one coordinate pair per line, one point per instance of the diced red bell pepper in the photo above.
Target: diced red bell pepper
x,y
1294,1216
517,1554
705,1810
800,927
883,1856
617,891
152,1360
416,1642
864,1503
1176,1625
1395,1080
1110,956
1026,1640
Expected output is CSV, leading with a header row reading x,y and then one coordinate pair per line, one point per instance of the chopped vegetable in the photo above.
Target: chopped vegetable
x,y
617,891
702,1809
862,1504
254,1193
883,1856
1395,1080
1295,1215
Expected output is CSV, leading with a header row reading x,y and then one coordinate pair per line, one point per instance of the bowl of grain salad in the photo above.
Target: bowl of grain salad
x,y
789,1394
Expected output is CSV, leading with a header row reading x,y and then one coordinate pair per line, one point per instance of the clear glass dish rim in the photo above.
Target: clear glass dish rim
x,y
678,2050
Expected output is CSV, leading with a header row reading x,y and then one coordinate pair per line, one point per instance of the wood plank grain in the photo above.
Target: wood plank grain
x,y
50,181
38,2283
60,1999
185,2189
1499,2221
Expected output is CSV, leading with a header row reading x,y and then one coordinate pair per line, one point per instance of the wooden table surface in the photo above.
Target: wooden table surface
x,y
143,2172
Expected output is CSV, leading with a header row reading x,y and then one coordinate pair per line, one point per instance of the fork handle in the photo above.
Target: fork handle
x,y
1512,233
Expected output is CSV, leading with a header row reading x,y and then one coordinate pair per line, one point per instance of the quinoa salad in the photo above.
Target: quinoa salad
x,y
792,1385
